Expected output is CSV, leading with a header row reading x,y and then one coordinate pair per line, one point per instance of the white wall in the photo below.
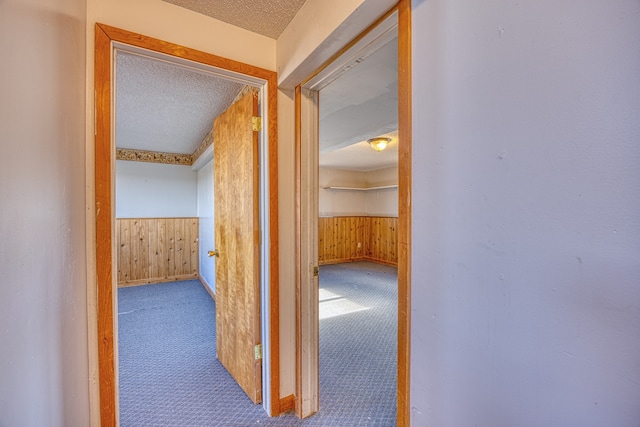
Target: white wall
x,y
340,202
178,25
155,190
526,207
286,241
332,202
383,202
43,302
206,225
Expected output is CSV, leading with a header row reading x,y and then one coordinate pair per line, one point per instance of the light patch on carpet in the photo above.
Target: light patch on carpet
x,y
325,295
333,305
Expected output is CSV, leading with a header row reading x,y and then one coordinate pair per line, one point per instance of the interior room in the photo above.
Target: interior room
x,y
165,231
357,235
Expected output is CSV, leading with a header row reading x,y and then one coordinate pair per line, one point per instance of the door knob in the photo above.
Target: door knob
x,y
214,253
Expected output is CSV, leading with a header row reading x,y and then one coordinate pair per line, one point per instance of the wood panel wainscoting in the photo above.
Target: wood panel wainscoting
x,y
154,250
358,238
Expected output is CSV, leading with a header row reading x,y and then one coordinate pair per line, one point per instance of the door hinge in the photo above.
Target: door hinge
x,y
316,271
256,123
258,351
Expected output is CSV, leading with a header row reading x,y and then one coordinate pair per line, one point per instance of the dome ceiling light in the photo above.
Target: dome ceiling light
x,y
379,144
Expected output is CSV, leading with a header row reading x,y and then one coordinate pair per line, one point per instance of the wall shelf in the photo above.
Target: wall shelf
x,y
381,187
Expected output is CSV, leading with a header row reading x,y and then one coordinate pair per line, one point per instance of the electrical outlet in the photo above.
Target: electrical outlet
x,y
359,245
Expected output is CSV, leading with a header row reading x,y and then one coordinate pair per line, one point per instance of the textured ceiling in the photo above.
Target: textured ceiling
x,y
166,107
266,17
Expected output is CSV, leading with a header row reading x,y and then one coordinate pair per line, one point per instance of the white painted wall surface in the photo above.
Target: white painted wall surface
x,y
44,374
526,213
341,202
334,202
383,202
154,190
178,25
380,177
286,241
206,225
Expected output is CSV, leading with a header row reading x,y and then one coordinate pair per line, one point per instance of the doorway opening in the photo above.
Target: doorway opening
x,y
357,235
108,40
308,106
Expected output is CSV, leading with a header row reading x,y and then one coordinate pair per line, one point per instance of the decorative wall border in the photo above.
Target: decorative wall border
x,y
245,90
206,142
154,157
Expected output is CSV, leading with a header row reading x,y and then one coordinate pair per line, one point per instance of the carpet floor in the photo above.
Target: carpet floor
x,y
169,375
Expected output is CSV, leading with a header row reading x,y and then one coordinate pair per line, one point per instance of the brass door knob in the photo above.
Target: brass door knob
x,y
214,253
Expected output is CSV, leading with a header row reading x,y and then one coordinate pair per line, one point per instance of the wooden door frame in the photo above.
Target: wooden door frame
x,y
304,191
106,37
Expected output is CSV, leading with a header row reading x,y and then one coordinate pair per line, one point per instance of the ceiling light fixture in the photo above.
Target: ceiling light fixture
x,y
379,144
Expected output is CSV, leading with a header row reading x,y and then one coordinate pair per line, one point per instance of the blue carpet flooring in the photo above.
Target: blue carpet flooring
x,y
169,375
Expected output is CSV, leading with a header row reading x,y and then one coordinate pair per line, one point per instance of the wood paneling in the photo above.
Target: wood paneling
x,y
152,250
356,238
382,240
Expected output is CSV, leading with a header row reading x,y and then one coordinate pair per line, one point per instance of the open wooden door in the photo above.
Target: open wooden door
x,y
237,234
